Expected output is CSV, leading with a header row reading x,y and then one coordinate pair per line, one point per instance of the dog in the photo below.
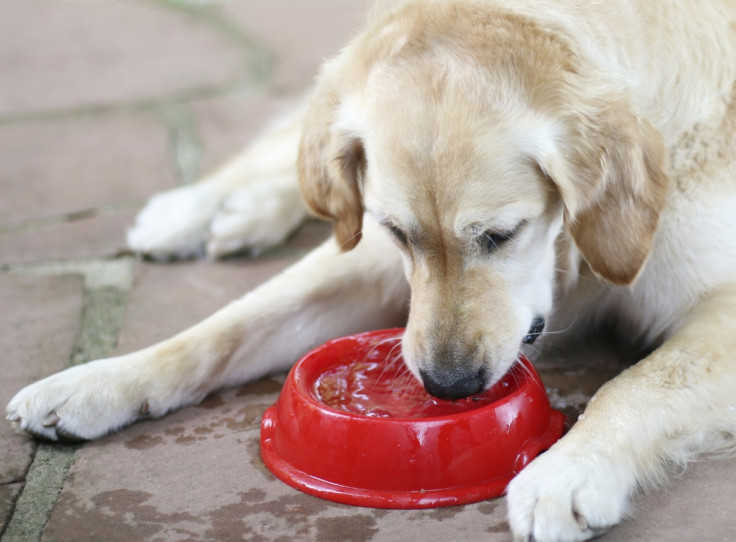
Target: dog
x,y
500,167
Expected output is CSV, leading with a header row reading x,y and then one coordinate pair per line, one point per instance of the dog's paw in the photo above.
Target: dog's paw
x,y
564,496
256,217
174,224
80,403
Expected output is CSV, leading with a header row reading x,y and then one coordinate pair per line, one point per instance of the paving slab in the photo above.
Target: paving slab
x,y
70,165
168,298
98,235
138,481
8,494
300,35
197,475
698,506
312,233
226,124
38,325
81,53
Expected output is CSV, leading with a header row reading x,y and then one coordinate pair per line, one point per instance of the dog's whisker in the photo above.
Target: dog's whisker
x,y
537,351
567,328
375,345
391,358
519,365
351,238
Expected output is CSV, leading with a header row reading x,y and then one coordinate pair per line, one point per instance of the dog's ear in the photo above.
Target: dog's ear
x,y
609,167
331,168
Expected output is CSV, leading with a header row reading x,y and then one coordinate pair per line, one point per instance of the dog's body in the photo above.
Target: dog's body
x,y
529,161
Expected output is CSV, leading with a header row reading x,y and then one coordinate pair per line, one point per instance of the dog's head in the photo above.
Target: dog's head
x,y
475,146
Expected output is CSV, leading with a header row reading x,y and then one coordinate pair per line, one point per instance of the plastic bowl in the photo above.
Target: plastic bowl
x,y
353,426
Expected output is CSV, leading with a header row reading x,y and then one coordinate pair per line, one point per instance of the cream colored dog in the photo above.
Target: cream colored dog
x,y
523,161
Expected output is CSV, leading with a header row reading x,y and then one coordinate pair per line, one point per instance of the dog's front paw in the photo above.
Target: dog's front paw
x,y
174,224
255,217
80,403
564,496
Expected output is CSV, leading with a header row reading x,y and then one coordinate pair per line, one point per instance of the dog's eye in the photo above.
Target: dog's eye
x,y
493,240
397,233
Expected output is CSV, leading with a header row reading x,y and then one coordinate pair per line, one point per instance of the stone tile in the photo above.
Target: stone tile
x,y
698,506
227,124
312,233
197,475
98,235
194,475
300,34
168,298
81,53
38,325
8,494
54,168
103,235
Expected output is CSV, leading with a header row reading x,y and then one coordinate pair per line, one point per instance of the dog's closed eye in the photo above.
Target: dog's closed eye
x,y
398,234
491,240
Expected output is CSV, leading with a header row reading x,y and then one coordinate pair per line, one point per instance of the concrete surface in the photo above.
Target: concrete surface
x,y
101,105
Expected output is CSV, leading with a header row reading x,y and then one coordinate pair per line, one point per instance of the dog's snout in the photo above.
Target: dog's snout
x,y
454,383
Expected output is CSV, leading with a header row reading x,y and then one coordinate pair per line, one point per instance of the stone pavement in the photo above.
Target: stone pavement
x,y
101,105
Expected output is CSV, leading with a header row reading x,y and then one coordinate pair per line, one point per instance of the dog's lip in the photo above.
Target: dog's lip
x,y
494,375
535,329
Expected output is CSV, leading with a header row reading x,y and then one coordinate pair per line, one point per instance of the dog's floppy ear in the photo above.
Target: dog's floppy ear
x,y
609,167
331,168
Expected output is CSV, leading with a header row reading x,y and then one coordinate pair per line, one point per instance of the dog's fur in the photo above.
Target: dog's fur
x,y
567,160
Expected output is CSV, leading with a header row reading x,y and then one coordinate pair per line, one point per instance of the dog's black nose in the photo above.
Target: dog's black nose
x,y
535,330
454,383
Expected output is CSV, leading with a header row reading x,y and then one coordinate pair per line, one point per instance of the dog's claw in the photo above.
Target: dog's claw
x,y
13,417
51,420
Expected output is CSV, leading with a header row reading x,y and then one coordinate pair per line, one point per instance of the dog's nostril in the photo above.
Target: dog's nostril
x,y
535,330
451,385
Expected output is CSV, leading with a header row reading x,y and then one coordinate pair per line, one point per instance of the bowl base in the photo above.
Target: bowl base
x,y
415,499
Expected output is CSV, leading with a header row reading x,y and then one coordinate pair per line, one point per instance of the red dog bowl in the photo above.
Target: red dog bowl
x,y
352,425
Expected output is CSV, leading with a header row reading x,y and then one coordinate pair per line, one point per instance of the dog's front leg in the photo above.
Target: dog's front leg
x,y
327,294
677,402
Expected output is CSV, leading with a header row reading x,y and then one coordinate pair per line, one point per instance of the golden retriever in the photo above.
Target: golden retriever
x,y
524,162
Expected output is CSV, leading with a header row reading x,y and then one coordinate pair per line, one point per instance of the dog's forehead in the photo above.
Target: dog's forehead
x,y
442,151
457,190
460,169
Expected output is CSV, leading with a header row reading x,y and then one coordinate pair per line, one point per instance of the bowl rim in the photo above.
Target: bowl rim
x,y
304,385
